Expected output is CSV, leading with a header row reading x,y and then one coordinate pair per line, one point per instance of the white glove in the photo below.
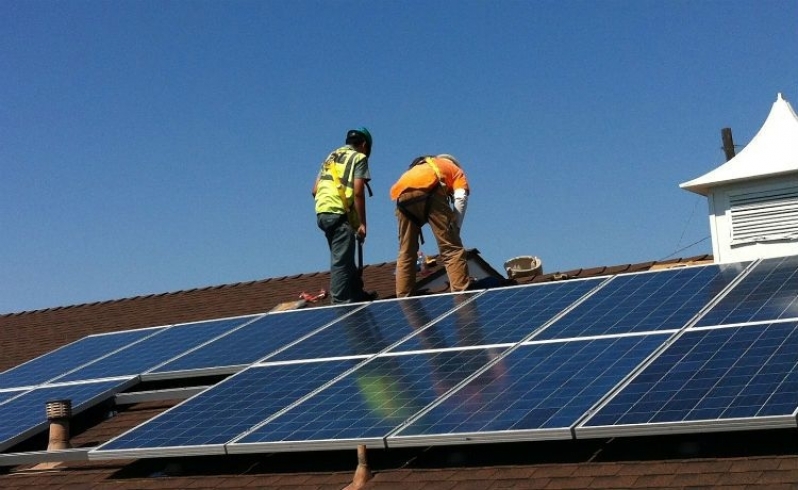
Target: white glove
x,y
460,205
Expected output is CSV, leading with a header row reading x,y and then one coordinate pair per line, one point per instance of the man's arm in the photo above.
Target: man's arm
x,y
459,184
460,204
360,207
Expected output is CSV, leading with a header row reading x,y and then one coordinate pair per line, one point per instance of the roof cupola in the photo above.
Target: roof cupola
x,y
753,197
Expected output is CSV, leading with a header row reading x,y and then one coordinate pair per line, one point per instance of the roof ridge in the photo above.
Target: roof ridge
x,y
162,294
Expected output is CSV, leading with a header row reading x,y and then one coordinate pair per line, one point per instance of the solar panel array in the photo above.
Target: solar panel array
x,y
216,416
710,379
538,391
68,358
152,351
367,403
644,302
672,350
250,342
24,415
769,292
90,371
369,330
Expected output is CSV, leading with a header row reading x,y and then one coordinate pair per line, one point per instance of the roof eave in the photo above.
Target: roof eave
x,y
704,186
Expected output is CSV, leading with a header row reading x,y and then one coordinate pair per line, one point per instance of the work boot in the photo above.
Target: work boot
x,y
473,284
366,296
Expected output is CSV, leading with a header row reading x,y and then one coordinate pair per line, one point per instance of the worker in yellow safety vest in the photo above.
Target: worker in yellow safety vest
x,y
433,190
341,211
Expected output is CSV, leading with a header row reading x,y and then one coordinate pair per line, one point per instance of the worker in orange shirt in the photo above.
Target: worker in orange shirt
x,y
433,190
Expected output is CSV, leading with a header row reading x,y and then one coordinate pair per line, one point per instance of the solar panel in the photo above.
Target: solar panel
x,y
69,357
366,404
154,350
371,329
538,391
497,316
202,424
25,415
769,292
7,395
520,363
254,341
648,301
709,379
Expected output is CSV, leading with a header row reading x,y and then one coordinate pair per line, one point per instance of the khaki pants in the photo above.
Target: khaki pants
x,y
442,222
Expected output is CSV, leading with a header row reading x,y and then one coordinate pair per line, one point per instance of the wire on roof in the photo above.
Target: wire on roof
x,y
683,248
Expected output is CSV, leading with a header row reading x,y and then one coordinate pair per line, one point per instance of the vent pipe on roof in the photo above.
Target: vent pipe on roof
x,y
728,143
58,414
362,473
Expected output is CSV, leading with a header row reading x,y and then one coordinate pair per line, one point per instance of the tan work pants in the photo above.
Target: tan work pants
x,y
442,222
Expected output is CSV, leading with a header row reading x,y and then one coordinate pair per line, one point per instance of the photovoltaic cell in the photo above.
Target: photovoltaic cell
x,y
25,415
154,350
256,340
644,302
498,316
69,357
369,402
769,292
712,375
224,411
540,387
7,395
371,329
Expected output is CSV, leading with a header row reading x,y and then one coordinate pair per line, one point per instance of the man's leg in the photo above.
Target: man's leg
x,y
408,245
359,292
341,239
443,223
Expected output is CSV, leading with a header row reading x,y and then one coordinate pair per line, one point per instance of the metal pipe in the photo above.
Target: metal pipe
x,y
362,473
58,414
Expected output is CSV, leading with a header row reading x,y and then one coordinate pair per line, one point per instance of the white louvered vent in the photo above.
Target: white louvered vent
x,y
764,216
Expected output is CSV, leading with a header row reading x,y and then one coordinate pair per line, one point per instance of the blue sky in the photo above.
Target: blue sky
x,y
156,146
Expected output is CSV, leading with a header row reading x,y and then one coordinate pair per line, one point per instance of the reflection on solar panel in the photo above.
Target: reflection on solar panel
x,y
498,316
769,292
26,415
724,377
537,391
208,420
69,357
368,403
371,329
256,340
154,350
644,302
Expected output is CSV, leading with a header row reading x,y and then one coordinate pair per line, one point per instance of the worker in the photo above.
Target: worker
x,y
433,190
341,212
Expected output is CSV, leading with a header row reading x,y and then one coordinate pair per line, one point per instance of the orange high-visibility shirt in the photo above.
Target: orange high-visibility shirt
x,y
422,177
